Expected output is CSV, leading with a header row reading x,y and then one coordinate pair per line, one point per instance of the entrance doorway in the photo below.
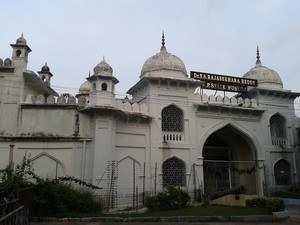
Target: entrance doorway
x,y
228,161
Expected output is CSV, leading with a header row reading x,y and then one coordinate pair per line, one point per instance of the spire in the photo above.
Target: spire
x,y
258,62
163,48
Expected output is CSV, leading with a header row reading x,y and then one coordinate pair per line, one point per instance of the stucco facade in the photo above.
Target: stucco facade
x,y
166,133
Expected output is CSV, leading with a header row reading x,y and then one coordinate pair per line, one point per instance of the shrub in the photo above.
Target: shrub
x,y
171,198
295,188
51,196
273,204
14,178
285,194
54,198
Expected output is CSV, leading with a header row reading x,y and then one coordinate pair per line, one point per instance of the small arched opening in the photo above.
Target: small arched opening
x,y
282,172
104,87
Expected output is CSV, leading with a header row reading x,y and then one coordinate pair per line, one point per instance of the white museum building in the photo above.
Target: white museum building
x,y
166,132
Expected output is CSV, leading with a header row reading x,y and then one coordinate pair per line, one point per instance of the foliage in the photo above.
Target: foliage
x,y
273,204
206,210
293,192
171,198
77,181
295,188
16,178
53,198
285,194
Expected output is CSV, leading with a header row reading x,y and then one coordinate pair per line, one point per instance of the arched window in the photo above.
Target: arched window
x,y
174,172
104,87
94,87
282,172
277,126
18,53
172,119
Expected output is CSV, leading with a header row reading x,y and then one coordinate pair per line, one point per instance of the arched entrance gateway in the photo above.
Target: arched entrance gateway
x,y
229,160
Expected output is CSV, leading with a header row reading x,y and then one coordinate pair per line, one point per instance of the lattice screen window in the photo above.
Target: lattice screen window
x,y
282,171
172,119
174,172
277,126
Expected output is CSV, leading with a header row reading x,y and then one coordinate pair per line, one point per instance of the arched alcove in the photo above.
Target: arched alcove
x,y
282,172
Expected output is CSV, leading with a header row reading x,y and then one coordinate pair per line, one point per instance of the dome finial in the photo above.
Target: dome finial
x,y
162,39
163,48
258,62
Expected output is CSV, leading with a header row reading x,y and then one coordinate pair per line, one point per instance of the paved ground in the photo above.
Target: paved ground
x,y
289,221
294,213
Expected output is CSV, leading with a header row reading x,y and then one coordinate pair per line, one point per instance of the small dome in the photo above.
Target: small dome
x,y
266,77
1,62
21,40
7,62
85,88
45,68
164,64
103,69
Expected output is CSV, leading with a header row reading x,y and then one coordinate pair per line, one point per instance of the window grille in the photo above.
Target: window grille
x,y
174,172
277,126
282,172
172,119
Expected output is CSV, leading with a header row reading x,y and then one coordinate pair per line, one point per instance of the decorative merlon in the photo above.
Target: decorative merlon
x,y
233,101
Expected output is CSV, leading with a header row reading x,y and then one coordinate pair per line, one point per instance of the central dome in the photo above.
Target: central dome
x,y
266,77
164,64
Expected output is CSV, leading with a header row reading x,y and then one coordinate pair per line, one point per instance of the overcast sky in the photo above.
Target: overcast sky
x,y
216,36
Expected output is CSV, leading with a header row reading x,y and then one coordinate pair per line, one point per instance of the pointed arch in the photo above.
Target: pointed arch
x,y
130,158
278,130
46,165
129,176
277,126
174,172
243,131
229,149
282,172
172,118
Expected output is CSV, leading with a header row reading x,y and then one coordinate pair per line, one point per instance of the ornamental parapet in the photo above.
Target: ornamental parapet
x,y
134,108
83,103
50,100
226,101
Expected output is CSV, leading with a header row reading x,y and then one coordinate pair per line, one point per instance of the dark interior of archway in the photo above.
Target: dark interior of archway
x,y
228,139
215,148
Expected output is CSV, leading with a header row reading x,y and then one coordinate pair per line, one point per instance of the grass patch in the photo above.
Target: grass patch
x,y
209,210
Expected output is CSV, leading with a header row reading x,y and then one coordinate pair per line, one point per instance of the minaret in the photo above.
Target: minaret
x,y
45,74
102,85
20,53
